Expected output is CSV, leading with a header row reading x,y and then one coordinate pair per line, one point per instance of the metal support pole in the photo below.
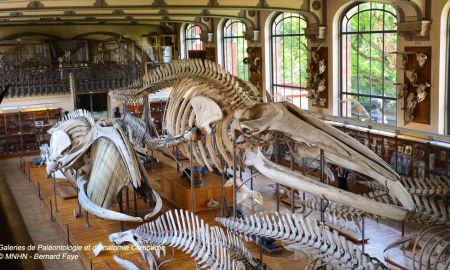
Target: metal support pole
x,y
191,146
251,177
322,178
54,192
277,191
78,214
68,236
135,202
51,210
292,189
234,179
127,198
260,250
120,199
223,201
29,173
403,228
177,158
87,225
363,232
39,191
303,172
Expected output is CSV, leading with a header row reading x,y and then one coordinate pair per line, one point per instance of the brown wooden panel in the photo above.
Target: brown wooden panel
x,y
423,109
254,63
323,54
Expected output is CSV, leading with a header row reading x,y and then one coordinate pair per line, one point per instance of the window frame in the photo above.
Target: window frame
x,y
225,37
343,81
272,37
190,38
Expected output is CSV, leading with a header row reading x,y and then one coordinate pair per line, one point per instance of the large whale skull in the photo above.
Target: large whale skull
x,y
309,134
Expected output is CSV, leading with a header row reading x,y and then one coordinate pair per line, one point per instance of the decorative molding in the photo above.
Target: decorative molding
x,y
118,12
159,3
251,13
213,3
263,4
252,35
315,34
15,14
414,31
70,13
163,11
207,37
35,4
100,3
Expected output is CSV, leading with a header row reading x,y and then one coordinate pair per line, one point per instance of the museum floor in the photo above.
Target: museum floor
x,y
43,230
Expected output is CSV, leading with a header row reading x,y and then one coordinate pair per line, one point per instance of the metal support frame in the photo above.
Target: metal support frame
x,y
251,177
322,178
234,179
29,173
223,199
292,189
39,190
177,158
303,172
191,145
68,235
363,233
120,201
260,250
87,225
51,210
54,192
127,198
135,197
277,189
78,212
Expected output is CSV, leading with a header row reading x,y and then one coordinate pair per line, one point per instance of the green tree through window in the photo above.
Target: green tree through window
x,y
289,59
368,69
235,48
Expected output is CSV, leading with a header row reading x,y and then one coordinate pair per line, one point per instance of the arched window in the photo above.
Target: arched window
x,y
289,59
192,40
235,48
368,68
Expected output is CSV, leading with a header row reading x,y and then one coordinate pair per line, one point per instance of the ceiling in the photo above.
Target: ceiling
x,y
154,12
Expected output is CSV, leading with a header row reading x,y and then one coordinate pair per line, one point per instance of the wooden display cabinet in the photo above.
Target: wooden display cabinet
x,y
438,160
157,110
177,190
160,48
24,132
136,110
410,156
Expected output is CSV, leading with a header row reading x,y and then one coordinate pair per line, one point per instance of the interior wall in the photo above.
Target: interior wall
x,y
334,11
66,102
133,32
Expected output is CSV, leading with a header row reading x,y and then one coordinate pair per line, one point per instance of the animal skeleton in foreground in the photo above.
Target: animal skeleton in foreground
x,y
212,108
100,160
299,232
183,230
431,247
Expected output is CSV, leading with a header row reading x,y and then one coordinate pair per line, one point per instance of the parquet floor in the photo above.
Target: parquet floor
x,y
41,226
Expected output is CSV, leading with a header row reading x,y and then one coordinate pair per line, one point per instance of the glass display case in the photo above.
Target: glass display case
x,y
22,132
